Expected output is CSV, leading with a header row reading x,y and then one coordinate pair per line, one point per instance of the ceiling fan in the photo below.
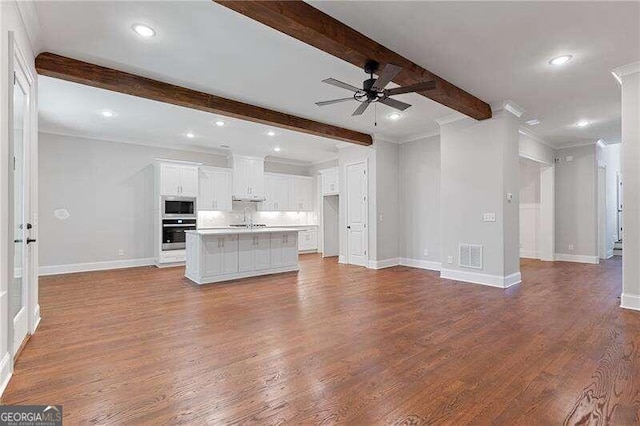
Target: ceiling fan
x,y
373,89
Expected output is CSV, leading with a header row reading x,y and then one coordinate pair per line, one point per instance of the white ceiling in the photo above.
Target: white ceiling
x,y
496,51
500,50
74,109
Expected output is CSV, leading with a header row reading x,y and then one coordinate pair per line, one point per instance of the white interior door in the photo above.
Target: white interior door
x,y
602,213
357,214
18,286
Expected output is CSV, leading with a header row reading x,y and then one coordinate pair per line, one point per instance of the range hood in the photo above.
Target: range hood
x,y
248,198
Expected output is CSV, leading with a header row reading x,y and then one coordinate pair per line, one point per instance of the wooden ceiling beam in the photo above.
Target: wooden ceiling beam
x,y
313,27
69,69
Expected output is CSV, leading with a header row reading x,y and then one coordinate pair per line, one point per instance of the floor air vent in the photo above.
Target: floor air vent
x,y
470,256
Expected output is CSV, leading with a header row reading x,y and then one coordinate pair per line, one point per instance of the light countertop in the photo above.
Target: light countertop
x,y
232,231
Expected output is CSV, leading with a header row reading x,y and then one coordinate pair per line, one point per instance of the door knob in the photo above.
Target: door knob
x,y
31,240
17,241
348,227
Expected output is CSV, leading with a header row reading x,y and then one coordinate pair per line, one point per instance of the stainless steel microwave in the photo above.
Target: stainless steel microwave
x,y
178,206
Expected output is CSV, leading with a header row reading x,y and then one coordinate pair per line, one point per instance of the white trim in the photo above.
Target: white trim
x,y
381,264
5,372
289,161
534,136
95,266
484,279
421,264
383,139
609,253
579,258
509,106
575,145
239,275
342,259
529,254
36,318
419,137
630,301
625,70
456,116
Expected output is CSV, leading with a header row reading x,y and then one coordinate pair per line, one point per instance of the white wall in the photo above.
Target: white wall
x,y
534,148
576,204
480,165
11,21
611,157
350,154
529,208
108,188
387,200
630,77
419,227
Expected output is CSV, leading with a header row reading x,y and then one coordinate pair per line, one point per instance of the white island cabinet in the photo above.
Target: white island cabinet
x,y
216,255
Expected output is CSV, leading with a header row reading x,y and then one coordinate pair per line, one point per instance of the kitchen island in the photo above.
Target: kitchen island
x,y
215,255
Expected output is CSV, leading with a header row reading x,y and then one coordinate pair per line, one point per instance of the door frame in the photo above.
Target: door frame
x,y
601,197
346,193
19,65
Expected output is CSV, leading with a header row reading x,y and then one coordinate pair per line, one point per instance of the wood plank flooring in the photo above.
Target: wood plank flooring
x,y
335,344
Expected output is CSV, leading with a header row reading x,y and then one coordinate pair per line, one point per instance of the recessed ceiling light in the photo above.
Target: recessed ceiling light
x,y
582,123
143,30
532,122
219,123
108,114
560,60
276,149
191,135
395,116
271,133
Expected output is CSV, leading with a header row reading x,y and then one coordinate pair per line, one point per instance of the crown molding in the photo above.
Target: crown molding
x,y
419,137
510,106
456,116
383,139
575,145
625,70
530,134
289,161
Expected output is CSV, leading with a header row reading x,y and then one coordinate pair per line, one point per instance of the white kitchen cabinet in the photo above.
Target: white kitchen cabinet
x,y
284,249
330,181
308,240
178,179
215,189
301,193
220,255
248,178
276,188
254,252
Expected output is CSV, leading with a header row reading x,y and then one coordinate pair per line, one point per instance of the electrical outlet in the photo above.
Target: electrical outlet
x,y
570,247
450,260
381,218
569,158
489,217
121,252
425,252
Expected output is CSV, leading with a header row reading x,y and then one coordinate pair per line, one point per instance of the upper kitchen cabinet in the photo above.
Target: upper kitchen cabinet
x,y
276,188
330,181
248,178
178,179
301,193
215,189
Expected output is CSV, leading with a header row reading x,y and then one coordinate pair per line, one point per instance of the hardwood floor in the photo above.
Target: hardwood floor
x,y
335,344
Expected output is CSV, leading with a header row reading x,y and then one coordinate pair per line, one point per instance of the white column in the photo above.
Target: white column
x,y
547,230
479,196
629,78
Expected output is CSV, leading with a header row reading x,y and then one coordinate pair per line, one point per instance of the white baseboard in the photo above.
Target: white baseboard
x,y
341,259
579,258
94,266
529,254
484,279
630,301
5,372
422,264
609,254
381,264
36,318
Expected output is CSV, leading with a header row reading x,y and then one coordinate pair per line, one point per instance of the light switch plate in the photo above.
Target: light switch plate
x,y
425,252
570,247
450,260
489,217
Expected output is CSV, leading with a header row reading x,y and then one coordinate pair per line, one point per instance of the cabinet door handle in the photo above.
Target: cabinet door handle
x,y
222,241
218,242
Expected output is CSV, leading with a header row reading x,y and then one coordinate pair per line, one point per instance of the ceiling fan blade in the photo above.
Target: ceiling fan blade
x,y
338,83
395,104
418,87
363,106
388,73
334,101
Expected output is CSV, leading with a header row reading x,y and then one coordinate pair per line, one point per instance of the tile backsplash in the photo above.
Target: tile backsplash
x,y
212,219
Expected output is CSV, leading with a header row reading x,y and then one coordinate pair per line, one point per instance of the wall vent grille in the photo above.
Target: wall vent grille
x,y
470,256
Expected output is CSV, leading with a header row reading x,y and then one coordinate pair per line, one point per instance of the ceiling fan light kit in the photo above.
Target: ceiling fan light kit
x,y
373,89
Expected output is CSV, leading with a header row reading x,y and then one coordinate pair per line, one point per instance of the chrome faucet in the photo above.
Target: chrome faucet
x,y
250,224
